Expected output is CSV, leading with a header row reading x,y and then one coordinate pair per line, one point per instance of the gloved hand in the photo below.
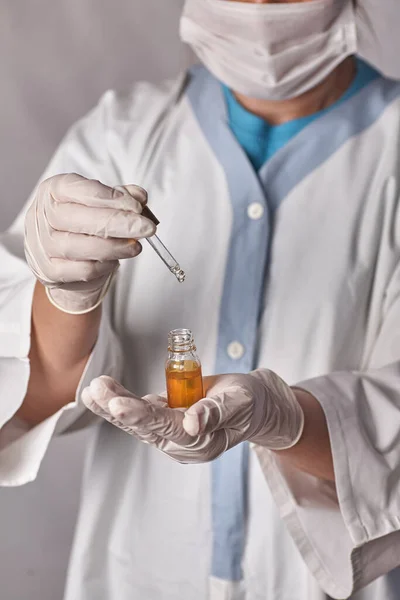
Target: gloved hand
x,y
258,408
76,231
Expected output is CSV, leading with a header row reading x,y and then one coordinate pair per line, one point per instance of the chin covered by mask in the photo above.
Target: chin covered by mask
x,y
270,51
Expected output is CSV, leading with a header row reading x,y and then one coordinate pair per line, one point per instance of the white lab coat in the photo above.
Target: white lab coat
x,y
330,315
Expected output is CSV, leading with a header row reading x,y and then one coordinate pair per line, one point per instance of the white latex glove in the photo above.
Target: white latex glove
x,y
258,408
76,231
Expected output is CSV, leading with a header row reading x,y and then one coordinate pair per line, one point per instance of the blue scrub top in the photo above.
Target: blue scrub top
x,y
260,140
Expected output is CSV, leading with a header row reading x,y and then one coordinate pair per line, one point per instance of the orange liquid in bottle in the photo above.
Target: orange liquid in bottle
x,y
184,384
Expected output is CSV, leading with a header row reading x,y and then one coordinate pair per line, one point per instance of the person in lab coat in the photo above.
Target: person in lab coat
x,y
274,170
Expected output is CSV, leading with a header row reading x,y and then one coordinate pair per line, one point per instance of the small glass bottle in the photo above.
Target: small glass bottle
x,y
183,370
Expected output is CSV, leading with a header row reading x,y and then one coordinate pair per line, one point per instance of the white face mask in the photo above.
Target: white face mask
x,y
270,51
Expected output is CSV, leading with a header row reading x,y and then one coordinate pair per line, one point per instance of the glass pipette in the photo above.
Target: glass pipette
x,y
157,244
162,251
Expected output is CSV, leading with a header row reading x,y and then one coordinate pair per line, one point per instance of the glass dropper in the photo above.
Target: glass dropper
x,y
162,251
157,244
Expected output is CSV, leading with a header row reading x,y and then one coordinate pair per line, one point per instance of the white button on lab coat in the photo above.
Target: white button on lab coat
x,y
255,211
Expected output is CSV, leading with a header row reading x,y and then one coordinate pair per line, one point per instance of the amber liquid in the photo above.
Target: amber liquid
x,y
184,384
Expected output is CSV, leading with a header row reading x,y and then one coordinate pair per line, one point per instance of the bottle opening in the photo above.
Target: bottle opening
x,y
181,340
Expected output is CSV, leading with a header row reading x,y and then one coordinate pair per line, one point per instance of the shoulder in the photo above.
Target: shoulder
x,y
140,102
126,124
114,134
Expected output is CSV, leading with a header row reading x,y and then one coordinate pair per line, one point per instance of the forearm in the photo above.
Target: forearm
x,y
60,348
312,454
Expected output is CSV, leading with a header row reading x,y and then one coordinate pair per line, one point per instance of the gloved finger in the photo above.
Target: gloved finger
x,y
103,391
96,409
146,416
135,191
153,400
95,398
98,395
222,411
142,417
73,246
104,388
100,222
93,406
73,188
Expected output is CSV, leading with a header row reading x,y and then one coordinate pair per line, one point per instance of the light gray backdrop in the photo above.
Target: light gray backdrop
x,y
57,58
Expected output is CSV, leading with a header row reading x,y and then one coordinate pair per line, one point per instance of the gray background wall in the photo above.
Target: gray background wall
x,y
57,58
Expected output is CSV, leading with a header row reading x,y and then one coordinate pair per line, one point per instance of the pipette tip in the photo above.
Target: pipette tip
x,y
179,273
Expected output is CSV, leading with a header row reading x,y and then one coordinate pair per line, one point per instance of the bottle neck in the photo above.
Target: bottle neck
x,y
181,341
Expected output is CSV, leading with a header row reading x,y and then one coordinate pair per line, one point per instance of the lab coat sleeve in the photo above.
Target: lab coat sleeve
x,y
83,151
349,533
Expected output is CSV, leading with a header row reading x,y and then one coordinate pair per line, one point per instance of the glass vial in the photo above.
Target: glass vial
x,y
183,370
